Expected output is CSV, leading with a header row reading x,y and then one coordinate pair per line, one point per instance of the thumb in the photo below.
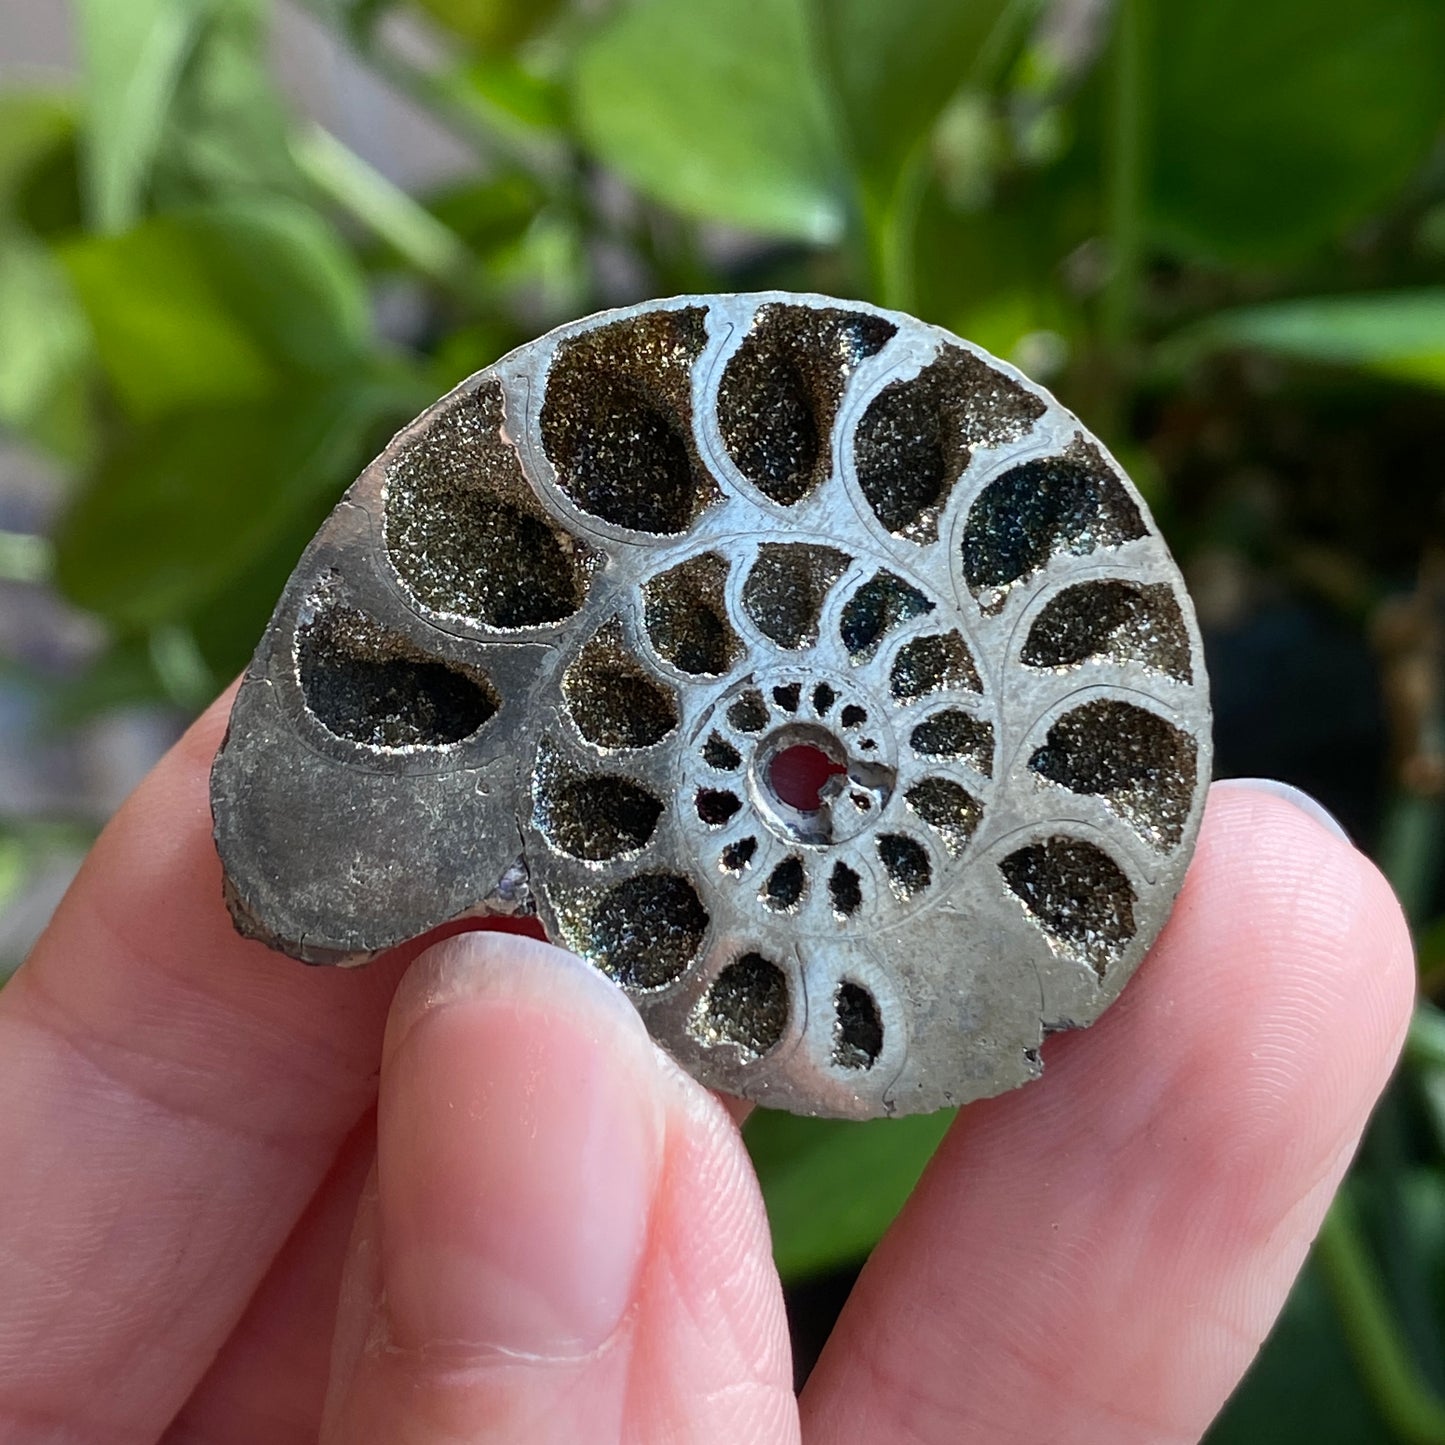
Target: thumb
x,y
562,1239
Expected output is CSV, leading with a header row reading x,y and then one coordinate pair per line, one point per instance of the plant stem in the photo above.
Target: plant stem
x,y
891,224
1410,1407
428,246
1409,851
444,100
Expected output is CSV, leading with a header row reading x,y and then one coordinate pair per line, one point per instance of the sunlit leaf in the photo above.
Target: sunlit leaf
x,y
713,107
44,339
1273,127
1399,334
832,1188
212,303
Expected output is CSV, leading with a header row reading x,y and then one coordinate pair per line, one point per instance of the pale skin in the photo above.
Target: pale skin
x,y
543,1232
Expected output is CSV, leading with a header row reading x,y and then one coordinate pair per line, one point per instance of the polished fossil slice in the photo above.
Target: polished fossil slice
x,y
571,641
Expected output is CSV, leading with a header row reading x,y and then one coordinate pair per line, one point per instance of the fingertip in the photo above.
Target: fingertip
x,y
566,1239
1297,868
520,1139
1272,1009
1307,803
1113,1242
505,966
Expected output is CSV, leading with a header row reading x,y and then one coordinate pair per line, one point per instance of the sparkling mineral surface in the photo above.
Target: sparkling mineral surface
x,y
804,668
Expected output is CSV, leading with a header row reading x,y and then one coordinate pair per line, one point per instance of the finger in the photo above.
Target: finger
x,y
564,1240
269,1381
1097,1258
174,1096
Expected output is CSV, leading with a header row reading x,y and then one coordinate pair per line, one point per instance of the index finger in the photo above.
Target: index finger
x,y
174,1094
1097,1258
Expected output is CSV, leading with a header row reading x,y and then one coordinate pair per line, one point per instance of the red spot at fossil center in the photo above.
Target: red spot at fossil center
x,y
798,773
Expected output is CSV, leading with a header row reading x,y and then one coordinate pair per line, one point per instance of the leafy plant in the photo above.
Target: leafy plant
x,y
1203,224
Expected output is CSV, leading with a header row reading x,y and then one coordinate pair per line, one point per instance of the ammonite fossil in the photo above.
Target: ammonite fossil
x,y
546,654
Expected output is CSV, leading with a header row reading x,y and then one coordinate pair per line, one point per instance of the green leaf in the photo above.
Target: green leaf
x,y
133,55
895,65
992,274
1277,126
227,131
492,26
34,125
491,212
713,107
1398,334
510,90
832,1188
183,505
44,344
216,303
180,98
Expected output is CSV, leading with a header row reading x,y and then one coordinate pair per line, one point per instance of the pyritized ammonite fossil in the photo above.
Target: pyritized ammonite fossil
x,y
548,652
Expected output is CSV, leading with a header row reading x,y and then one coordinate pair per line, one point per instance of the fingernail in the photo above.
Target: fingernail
x,y
1291,794
519,1136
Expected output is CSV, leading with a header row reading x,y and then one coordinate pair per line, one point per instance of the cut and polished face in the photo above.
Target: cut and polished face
x,y
802,667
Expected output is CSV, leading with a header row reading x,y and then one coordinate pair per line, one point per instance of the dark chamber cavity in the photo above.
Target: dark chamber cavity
x,y
1143,766
594,818
785,885
933,664
646,932
737,856
917,437
746,1006
748,713
882,603
1077,894
788,695
686,616
786,588
845,889
721,755
857,1028
780,391
613,701
716,806
824,697
953,733
947,807
1115,621
906,862
370,685
617,421
465,532
1071,503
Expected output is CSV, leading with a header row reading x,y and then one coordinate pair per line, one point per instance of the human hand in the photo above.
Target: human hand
x,y
562,1239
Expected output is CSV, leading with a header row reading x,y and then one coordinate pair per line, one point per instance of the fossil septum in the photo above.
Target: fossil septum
x,y
570,643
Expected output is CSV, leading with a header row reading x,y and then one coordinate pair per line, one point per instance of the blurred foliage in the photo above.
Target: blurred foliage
x,y
1217,230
